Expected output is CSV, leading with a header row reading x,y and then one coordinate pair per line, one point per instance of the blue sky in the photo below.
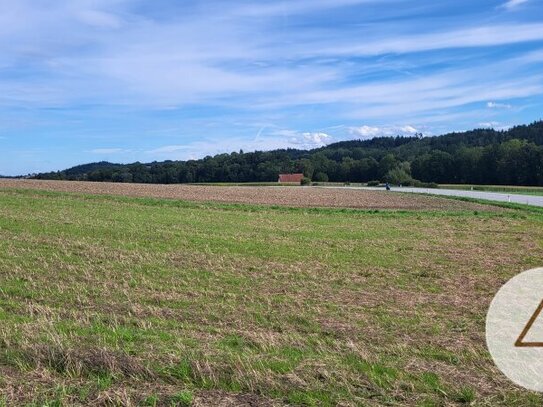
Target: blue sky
x,y
134,80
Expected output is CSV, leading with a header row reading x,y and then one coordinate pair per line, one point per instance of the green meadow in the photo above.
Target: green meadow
x,y
137,301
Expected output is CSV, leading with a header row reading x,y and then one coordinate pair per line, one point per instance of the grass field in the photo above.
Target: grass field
x,y
140,301
508,189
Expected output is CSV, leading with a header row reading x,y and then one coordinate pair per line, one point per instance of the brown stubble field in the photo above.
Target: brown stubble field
x,y
260,195
115,300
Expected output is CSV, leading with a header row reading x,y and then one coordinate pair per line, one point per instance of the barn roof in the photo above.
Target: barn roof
x,y
290,177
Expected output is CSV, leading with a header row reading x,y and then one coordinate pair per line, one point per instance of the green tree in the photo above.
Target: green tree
x,y
320,177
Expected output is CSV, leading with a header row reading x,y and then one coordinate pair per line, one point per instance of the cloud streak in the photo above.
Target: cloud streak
x,y
512,4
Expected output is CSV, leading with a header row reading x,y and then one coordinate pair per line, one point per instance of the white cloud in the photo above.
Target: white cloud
x,y
409,129
297,139
368,132
494,125
489,124
511,4
311,140
495,105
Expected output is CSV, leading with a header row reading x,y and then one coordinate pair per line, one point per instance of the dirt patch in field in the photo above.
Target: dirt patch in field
x,y
284,196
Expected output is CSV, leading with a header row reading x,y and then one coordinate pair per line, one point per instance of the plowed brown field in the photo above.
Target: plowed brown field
x,y
285,196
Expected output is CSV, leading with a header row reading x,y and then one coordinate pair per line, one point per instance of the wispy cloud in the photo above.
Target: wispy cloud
x,y
289,8
495,105
511,4
402,43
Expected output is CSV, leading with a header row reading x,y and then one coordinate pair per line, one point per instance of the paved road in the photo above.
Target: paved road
x,y
533,200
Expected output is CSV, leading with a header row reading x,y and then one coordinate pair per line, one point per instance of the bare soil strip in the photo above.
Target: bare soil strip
x,y
284,196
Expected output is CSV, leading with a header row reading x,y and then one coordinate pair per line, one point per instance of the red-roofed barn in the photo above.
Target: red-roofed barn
x,y
290,178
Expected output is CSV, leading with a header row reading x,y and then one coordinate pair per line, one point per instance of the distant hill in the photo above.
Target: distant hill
x,y
81,170
480,156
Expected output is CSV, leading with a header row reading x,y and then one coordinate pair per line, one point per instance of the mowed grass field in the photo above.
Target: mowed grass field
x,y
138,301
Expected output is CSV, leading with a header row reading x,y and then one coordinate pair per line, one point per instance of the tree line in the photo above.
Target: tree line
x,y
481,156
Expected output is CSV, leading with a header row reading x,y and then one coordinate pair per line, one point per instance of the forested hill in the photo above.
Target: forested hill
x,y
482,156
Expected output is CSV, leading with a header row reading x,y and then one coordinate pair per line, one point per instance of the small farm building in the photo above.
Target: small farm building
x,y
292,178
